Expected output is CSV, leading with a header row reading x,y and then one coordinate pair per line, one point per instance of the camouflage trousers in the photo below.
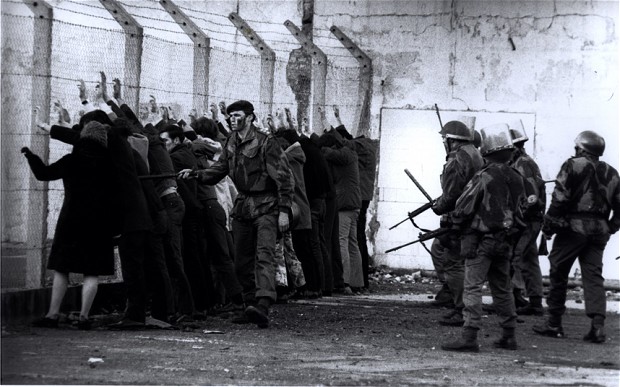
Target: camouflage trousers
x,y
287,264
491,262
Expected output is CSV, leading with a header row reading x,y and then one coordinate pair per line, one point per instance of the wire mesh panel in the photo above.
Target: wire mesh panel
x,y
167,74
233,77
80,51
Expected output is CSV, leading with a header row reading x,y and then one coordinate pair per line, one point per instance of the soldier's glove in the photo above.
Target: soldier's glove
x,y
613,227
436,209
26,151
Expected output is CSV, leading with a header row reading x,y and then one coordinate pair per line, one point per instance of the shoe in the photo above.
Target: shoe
x,y
443,303
84,324
127,325
239,317
596,335
548,330
455,320
506,343
45,322
311,295
183,318
347,291
258,315
467,343
282,299
338,290
530,310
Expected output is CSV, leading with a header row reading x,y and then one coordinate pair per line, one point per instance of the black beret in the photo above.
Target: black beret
x,y
241,105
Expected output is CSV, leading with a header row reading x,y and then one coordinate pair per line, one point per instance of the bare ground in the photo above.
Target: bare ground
x,y
359,340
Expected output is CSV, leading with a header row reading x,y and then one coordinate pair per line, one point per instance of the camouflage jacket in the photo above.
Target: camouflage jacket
x,y
534,183
258,167
461,165
491,200
586,191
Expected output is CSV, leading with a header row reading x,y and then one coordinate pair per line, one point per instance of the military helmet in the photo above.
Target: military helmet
x,y
590,142
477,139
495,138
456,130
517,131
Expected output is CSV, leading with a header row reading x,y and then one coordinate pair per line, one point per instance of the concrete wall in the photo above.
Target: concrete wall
x,y
560,69
554,60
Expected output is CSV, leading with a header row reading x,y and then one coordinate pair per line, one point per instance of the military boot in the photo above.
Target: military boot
x,y
507,341
467,343
597,330
453,319
533,308
259,314
552,328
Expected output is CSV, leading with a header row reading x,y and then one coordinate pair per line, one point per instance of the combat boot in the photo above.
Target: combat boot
x,y
533,308
597,330
259,314
549,330
453,319
507,341
467,343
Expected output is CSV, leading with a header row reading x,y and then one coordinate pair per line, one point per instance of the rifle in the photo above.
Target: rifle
x,y
420,209
438,116
165,176
422,237
413,214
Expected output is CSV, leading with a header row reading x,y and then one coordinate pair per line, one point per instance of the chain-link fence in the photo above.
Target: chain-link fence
x,y
80,51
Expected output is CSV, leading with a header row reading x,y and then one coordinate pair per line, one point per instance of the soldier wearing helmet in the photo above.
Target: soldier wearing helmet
x,y
525,257
462,162
488,213
586,193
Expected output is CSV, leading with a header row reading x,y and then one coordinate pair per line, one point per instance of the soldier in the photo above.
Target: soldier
x,y
258,167
488,213
525,257
462,162
586,192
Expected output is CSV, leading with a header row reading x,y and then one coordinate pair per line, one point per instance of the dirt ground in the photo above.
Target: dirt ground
x,y
374,339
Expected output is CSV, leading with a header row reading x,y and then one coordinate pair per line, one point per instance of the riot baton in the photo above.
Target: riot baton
x,y
419,186
438,116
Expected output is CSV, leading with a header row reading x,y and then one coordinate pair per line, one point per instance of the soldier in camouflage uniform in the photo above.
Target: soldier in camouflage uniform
x,y
462,162
586,191
258,167
488,213
525,257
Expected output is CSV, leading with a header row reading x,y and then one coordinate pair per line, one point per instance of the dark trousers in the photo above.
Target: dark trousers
x,y
255,245
567,247
309,262
184,301
131,251
157,277
361,240
332,239
317,242
454,271
217,251
196,266
525,260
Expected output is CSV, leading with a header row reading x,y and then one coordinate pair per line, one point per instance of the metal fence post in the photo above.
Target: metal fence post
x,y
41,96
365,80
134,36
319,73
202,52
267,64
